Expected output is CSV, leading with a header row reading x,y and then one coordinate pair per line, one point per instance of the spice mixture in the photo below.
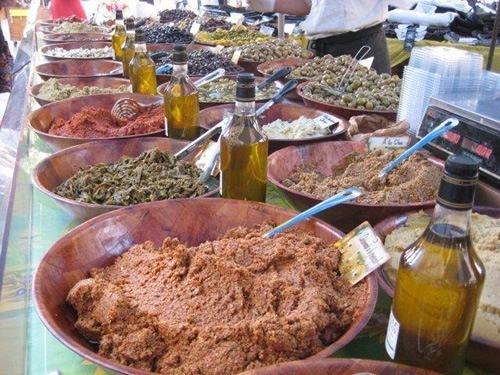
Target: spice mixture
x,y
93,122
149,177
415,180
225,306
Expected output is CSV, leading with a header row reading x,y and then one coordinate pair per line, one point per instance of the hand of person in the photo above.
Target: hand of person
x,y
264,6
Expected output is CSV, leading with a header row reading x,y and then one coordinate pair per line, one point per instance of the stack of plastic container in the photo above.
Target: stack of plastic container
x,y
432,71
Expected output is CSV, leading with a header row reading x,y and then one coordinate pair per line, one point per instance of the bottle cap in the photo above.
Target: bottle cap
x,y
119,14
140,36
129,24
180,54
245,87
458,185
461,167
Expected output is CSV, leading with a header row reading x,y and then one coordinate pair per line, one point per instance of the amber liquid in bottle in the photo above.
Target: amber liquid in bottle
x,y
438,287
119,36
128,48
142,69
243,154
181,101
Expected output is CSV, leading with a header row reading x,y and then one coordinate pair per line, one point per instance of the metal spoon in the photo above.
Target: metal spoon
x,y
343,196
446,125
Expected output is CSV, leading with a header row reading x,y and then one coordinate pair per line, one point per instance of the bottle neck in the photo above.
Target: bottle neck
x,y
454,202
180,69
448,216
244,108
140,47
119,22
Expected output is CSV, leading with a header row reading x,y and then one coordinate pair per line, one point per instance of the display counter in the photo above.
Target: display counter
x,y
30,223
399,56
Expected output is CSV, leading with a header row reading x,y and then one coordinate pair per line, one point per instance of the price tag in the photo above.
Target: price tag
x,y
236,18
236,56
266,30
325,121
362,252
388,143
288,28
218,48
195,28
367,63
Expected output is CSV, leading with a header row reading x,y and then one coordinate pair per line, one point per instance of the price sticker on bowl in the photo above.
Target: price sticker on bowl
x,y
326,121
362,251
266,30
195,28
236,55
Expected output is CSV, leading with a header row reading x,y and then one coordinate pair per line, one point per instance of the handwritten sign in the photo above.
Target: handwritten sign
x,y
388,143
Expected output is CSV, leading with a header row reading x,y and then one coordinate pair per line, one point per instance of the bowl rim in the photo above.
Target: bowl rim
x,y
355,111
273,180
36,87
87,45
51,37
68,341
111,73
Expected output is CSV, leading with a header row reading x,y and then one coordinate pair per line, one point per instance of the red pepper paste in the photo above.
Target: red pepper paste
x,y
93,122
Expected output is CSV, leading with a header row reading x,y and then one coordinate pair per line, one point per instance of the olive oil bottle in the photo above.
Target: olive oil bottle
x,y
142,68
128,47
119,35
181,104
439,280
243,148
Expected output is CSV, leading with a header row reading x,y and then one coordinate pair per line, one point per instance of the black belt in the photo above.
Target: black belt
x,y
350,36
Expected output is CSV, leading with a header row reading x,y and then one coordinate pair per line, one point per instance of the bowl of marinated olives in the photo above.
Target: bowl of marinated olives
x,y
223,91
252,55
348,104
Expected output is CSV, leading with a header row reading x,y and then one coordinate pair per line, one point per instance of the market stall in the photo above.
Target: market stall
x,y
32,222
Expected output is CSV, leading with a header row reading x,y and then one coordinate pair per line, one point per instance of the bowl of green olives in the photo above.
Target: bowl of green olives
x,y
346,103
223,91
254,54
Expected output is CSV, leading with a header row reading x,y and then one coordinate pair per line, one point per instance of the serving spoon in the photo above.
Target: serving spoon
x,y
129,109
446,125
344,196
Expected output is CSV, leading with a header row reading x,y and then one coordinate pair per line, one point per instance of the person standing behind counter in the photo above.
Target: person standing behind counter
x,y
340,27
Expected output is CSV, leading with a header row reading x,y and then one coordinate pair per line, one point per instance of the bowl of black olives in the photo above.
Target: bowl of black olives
x,y
201,61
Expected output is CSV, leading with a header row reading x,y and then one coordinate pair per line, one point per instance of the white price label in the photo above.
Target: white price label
x,y
195,28
218,48
266,30
362,252
236,56
391,338
326,121
288,28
